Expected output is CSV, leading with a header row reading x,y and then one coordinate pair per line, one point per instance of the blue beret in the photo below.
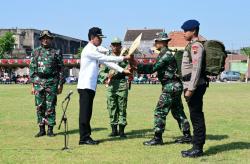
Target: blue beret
x,y
190,25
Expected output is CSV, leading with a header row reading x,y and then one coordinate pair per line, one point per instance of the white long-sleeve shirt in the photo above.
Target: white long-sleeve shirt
x,y
89,66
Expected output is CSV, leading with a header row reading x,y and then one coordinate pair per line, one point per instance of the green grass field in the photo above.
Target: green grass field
x,y
226,107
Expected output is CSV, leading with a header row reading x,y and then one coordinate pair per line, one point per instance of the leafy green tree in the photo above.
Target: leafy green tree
x,y
7,42
79,52
246,51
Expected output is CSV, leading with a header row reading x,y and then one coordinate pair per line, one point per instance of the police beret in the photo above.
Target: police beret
x,y
190,25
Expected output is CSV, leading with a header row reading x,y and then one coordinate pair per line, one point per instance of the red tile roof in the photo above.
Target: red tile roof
x,y
177,39
149,34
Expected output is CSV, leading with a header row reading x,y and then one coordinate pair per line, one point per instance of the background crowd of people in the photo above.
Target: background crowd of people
x,y
14,79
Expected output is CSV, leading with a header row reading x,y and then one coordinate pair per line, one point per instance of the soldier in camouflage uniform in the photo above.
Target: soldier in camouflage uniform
x,y
46,73
170,99
117,93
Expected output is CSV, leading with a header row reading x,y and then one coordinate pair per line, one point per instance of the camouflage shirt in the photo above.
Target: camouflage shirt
x,y
165,66
118,80
46,66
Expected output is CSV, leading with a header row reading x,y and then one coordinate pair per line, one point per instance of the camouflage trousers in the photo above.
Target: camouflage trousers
x,y
117,106
170,100
45,101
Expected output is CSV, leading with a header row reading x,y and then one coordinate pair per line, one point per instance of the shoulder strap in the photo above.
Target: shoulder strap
x,y
188,49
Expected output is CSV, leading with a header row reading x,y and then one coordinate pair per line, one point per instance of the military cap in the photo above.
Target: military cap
x,y
46,33
162,36
190,25
116,40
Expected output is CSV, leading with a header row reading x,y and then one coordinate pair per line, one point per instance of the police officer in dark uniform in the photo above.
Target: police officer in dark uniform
x,y
194,79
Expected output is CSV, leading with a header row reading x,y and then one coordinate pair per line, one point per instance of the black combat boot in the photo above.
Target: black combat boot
x,y
41,132
121,131
195,151
157,140
114,131
187,138
50,131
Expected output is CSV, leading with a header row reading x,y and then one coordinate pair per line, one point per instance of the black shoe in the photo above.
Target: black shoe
x,y
50,132
157,140
114,131
88,141
41,132
192,153
121,131
187,138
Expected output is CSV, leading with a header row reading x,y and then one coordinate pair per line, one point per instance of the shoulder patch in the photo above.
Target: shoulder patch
x,y
194,61
194,49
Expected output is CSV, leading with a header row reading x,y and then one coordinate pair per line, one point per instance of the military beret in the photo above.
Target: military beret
x,y
190,25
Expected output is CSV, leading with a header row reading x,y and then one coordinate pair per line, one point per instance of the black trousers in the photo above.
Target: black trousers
x,y
86,97
195,105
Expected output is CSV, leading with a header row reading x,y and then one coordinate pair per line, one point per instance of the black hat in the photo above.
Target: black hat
x,y
96,31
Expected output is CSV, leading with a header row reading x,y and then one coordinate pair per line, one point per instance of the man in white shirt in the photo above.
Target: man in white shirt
x,y
87,82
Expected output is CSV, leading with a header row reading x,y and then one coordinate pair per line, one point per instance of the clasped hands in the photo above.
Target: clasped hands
x,y
132,65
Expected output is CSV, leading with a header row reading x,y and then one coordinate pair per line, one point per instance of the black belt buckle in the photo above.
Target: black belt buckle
x,y
186,77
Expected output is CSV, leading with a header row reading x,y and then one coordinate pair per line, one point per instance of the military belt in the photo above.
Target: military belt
x,y
186,77
174,79
118,77
46,76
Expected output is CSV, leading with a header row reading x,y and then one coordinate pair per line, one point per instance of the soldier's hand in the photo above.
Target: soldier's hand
x,y
107,81
32,90
188,94
127,72
133,65
128,57
59,90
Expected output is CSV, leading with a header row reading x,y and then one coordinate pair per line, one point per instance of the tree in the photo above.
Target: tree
x,y
7,42
246,51
79,52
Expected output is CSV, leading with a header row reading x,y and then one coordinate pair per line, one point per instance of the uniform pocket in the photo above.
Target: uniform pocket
x,y
177,87
168,88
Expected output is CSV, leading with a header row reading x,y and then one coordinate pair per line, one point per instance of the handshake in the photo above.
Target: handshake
x,y
132,65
